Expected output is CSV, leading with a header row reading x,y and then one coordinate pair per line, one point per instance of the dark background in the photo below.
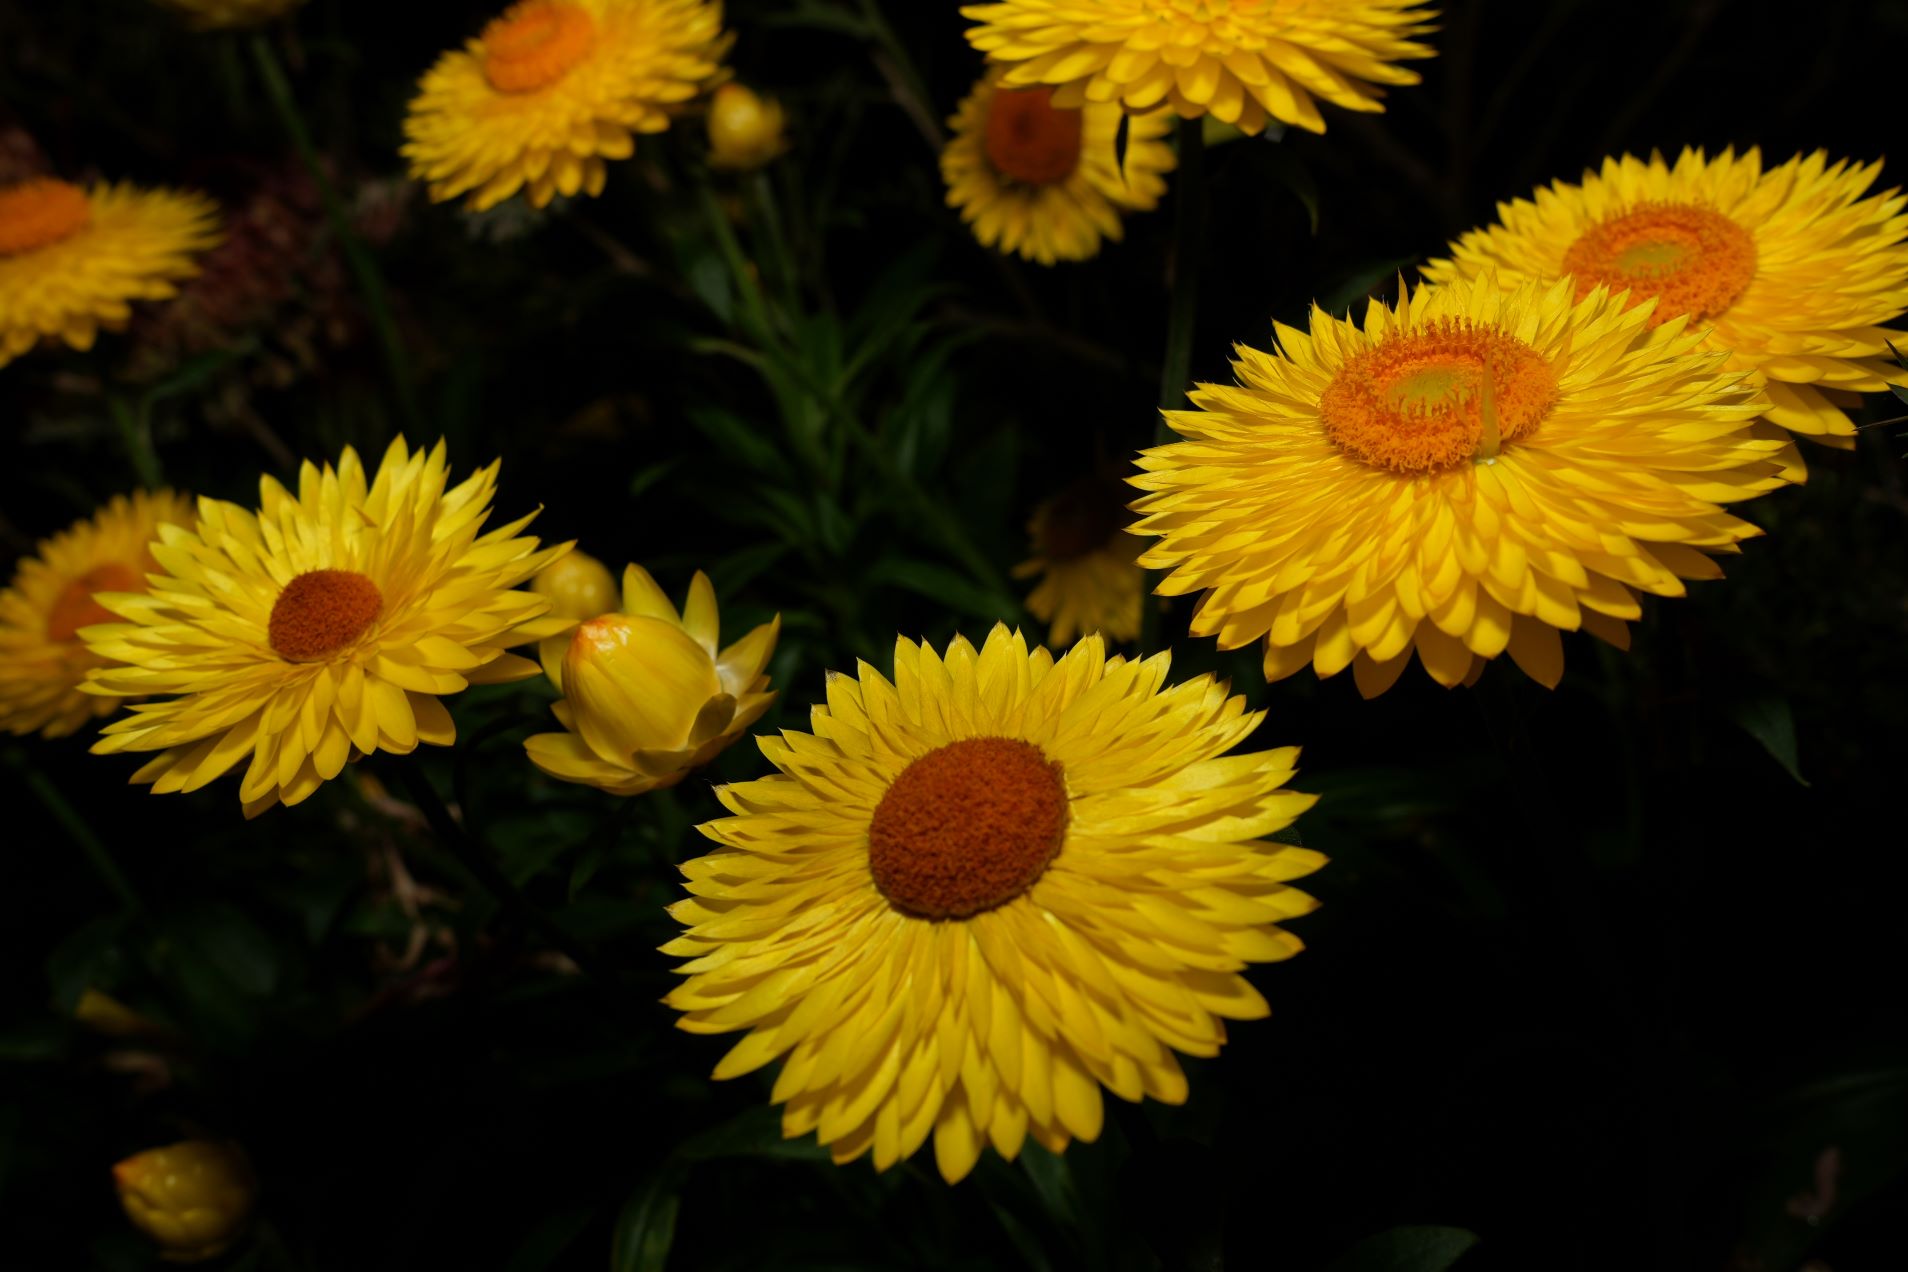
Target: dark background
x,y
1610,976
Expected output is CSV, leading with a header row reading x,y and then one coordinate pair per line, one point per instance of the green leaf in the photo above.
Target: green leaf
x,y
1296,177
651,474
1899,390
1770,722
1407,1250
647,1226
547,1242
1359,282
756,1133
90,958
739,440
938,583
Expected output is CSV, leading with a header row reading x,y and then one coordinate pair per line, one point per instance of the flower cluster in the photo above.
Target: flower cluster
x,y
995,881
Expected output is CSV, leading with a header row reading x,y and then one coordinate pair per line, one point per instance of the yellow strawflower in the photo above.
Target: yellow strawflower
x,y
974,896
73,260
43,661
1049,183
1462,476
1792,271
649,694
322,627
1087,563
1240,61
554,89
746,130
192,1198
578,586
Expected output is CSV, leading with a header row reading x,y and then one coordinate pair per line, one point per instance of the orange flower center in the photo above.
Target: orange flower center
x,y
1433,399
76,607
967,827
322,611
1029,139
1692,260
535,44
39,213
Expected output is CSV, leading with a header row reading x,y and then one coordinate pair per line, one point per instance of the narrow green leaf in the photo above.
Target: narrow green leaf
x,y
756,1133
1407,1250
1771,722
1899,390
549,1239
647,1226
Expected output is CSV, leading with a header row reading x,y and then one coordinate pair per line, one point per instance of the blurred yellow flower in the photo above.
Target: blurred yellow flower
x,y
73,260
1464,475
578,586
323,627
1087,563
1792,270
192,1198
745,129
43,662
104,1014
649,695
1243,61
554,88
1047,183
219,14
975,896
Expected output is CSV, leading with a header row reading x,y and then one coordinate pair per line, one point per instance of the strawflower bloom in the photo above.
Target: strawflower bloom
x,y
1792,270
1045,182
43,662
746,130
222,14
649,695
192,1198
1087,563
73,260
1462,476
323,627
974,896
1240,61
552,90
578,586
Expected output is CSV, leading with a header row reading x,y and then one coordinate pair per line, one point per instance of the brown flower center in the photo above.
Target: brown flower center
x,y
1692,260
536,43
322,611
967,827
1031,140
1430,400
75,608
1082,518
40,212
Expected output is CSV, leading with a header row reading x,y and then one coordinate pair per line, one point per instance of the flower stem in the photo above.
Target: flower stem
x,y
76,828
1189,245
135,433
363,269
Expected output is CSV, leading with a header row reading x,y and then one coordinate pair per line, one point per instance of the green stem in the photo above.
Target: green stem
x,y
363,269
1189,244
135,433
476,859
904,80
758,325
75,826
